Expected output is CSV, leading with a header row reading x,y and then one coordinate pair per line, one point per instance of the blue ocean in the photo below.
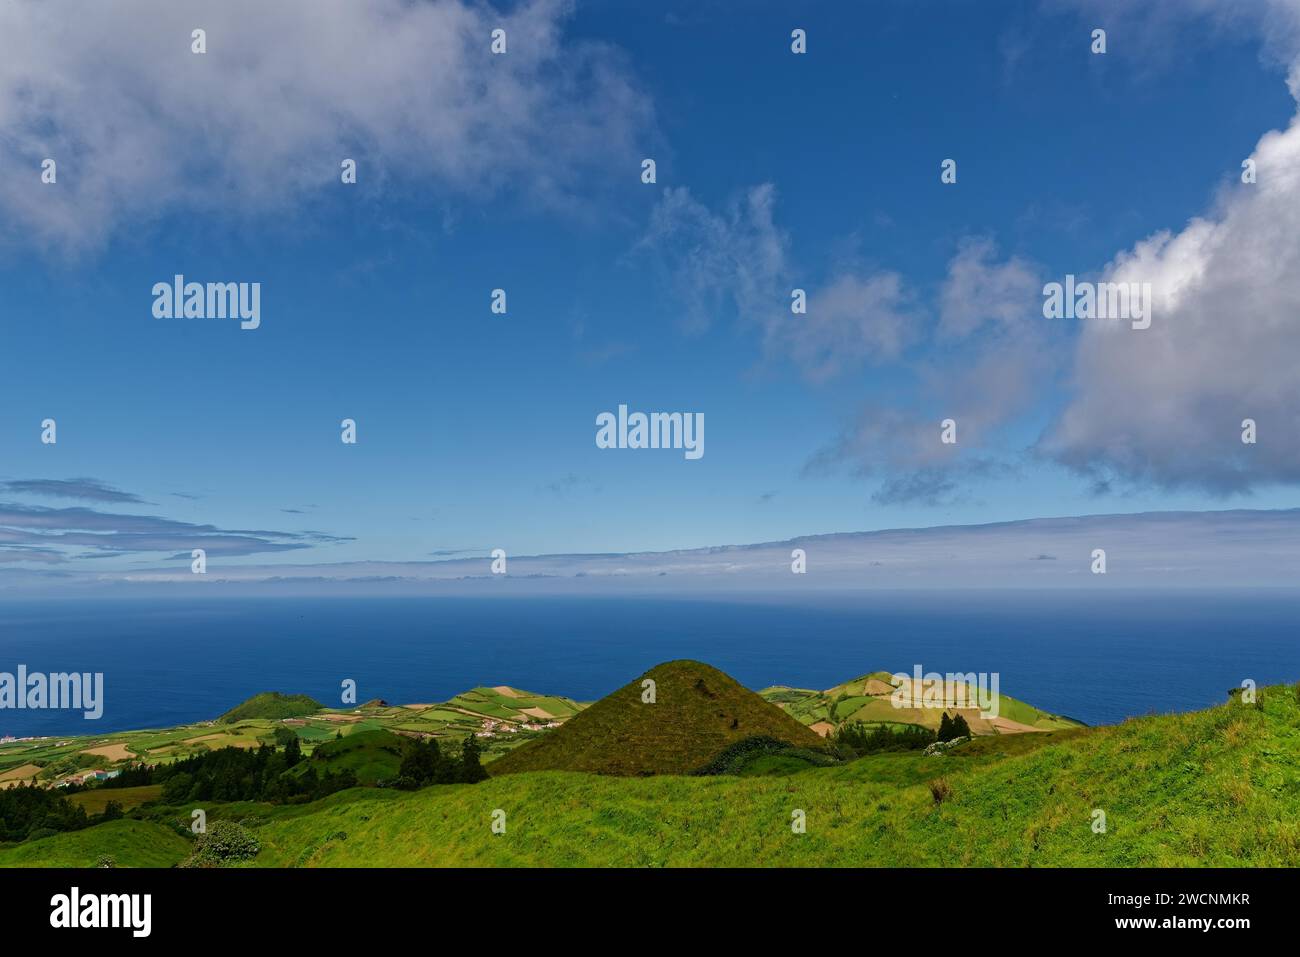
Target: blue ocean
x,y
1096,657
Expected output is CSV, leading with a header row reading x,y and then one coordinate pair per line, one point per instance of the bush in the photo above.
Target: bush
x,y
226,842
735,756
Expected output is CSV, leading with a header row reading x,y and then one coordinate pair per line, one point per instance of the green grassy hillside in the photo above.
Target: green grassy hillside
x,y
127,843
372,756
271,704
1218,787
698,711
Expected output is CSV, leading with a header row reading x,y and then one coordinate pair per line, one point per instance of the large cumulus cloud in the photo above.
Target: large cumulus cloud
x,y
141,126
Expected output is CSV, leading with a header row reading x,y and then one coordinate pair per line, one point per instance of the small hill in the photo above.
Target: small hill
x,y
371,755
697,714
272,704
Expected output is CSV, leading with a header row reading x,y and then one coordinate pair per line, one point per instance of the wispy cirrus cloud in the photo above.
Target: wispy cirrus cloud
x,y
52,535
85,489
737,259
992,348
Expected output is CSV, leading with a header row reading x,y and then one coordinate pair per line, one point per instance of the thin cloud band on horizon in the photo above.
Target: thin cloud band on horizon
x,y
1238,548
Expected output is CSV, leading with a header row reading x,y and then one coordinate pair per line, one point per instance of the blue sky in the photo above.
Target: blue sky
x,y
774,170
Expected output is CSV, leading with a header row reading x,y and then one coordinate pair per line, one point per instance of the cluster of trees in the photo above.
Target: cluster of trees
x,y
239,774
951,728
856,738
423,763
30,811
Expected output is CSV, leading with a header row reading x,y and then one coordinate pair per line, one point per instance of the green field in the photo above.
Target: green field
x,y
96,799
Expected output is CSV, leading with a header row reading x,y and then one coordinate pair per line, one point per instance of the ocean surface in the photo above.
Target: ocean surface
x,y
1098,657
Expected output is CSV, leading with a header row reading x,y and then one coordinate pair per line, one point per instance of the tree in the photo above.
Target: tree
x,y
945,728
471,768
960,728
176,789
422,763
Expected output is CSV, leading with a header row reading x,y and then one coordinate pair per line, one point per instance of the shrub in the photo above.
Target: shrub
x,y
735,756
226,842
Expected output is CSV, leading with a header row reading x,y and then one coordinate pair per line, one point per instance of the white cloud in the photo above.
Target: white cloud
x,y
1165,405
141,126
738,258
979,290
851,320
991,352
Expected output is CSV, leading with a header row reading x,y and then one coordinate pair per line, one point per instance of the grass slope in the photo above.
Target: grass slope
x,y
697,713
128,843
1218,787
